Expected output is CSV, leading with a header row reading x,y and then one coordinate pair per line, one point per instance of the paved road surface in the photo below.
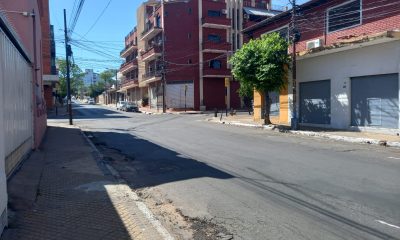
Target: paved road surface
x,y
256,184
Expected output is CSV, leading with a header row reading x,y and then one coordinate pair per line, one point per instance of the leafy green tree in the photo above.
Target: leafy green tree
x,y
76,75
261,65
108,77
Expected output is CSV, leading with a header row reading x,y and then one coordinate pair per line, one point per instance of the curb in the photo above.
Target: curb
x,y
313,134
138,202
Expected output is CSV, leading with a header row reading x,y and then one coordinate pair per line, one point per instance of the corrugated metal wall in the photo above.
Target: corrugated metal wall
x,y
16,99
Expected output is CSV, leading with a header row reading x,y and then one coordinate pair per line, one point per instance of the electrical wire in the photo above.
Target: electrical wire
x,y
98,18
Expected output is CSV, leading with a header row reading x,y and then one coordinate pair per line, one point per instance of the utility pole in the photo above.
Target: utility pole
x,y
294,119
163,58
116,88
68,54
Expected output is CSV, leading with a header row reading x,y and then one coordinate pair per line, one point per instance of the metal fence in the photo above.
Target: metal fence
x,y
15,103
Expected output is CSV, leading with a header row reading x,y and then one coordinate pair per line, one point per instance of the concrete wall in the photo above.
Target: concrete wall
x,y
383,58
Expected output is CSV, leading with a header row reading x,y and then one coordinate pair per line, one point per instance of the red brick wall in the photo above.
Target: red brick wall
x,y
48,96
46,41
377,16
182,44
214,93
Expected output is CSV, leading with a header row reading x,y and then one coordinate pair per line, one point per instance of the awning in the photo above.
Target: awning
x,y
260,12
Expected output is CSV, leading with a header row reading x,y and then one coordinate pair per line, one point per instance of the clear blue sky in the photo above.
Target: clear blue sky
x,y
107,35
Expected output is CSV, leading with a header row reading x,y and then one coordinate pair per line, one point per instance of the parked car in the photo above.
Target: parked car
x,y
130,107
120,104
91,101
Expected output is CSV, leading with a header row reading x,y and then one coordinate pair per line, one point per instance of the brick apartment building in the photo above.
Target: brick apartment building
x,y
24,64
50,74
199,36
348,63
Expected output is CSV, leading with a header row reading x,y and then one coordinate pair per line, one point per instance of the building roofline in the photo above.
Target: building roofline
x,y
304,6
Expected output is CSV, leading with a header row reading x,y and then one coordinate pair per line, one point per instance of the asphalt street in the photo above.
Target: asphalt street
x,y
255,183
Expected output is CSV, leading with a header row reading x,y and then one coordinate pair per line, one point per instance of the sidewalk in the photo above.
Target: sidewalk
x,y
245,120
63,192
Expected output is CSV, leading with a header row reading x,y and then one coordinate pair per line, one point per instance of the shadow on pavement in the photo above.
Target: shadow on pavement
x,y
146,164
61,193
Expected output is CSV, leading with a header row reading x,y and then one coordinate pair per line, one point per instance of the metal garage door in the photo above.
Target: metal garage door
x,y
176,96
315,102
375,101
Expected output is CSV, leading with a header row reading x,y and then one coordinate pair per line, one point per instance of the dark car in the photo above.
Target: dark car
x,y
130,107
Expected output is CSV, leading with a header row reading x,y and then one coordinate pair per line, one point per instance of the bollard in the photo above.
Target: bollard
x,y
215,112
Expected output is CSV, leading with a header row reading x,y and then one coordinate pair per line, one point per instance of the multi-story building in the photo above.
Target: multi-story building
x,y
50,74
187,44
90,77
348,63
24,25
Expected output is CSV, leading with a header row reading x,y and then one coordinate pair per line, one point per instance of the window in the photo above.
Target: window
x,y
190,61
214,13
215,64
344,16
189,35
190,10
158,21
214,38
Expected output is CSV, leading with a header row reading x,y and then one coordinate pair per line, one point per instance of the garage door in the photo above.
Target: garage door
x,y
180,92
315,102
375,101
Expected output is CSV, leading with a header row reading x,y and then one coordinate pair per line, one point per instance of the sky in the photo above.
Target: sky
x,y
100,31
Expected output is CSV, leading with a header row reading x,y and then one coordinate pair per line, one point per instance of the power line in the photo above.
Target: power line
x,y
98,18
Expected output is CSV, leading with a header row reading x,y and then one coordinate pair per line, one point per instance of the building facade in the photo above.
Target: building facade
x,y
90,77
191,59
347,66
22,68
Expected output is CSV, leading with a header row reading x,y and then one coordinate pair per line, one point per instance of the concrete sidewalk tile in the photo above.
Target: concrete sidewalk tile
x,y
75,200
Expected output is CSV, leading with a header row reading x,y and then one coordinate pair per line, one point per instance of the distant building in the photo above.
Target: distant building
x,y
199,36
90,77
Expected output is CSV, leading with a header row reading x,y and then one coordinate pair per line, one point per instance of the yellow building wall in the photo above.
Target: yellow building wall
x,y
283,117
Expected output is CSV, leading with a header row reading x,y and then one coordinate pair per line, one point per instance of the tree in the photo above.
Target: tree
x,y
76,76
108,77
261,65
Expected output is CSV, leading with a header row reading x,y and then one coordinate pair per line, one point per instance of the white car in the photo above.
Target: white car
x,y
120,104
91,101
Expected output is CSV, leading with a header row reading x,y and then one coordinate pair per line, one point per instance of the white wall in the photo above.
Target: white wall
x,y
339,67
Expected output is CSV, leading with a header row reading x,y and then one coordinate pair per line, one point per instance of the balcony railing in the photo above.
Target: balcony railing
x,y
216,21
129,82
207,71
128,49
153,74
149,30
154,50
217,46
129,65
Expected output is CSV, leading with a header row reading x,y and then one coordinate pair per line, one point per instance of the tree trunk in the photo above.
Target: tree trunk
x,y
267,100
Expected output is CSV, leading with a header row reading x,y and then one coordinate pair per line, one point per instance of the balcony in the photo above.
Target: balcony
x,y
216,47
216,73
128,50
152,76
150,33
128,66
216,22
151,53
129,83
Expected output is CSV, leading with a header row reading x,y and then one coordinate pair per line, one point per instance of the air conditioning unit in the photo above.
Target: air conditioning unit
x,y
224,11
314,44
